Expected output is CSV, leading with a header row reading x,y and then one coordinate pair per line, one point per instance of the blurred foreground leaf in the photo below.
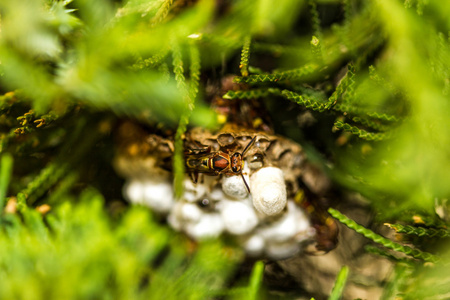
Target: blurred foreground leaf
x,y
83,254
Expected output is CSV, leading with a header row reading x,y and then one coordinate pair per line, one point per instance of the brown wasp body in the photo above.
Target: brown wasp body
x,y
216,162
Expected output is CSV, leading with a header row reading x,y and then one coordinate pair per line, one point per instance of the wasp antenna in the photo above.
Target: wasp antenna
x,y
249,145
245,182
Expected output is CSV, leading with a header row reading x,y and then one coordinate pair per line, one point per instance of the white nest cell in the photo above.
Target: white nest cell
x,y
268,191
294,223
195,222
282,238
234,186
133,191
158,195
210,225
238,217
254,245
183,213
264,222
217,194
190,213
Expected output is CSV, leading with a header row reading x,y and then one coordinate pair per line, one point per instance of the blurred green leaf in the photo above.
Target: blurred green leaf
x,y
6,162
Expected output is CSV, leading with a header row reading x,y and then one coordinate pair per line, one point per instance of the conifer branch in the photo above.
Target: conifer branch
x,y
306,102
420,231
245,57
178,158
252,94
371,123
316,48
375,76
46,119
384,117
361,133
402,273
163,68
63,187
48,176
162,13
6,138
315,19
317,39
345,86
295,74
384,253
151,61
357,111
345,30
7,101
416,253
194,71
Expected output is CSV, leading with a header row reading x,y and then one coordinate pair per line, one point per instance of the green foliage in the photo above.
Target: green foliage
x,y
91,68
361,133
81,254
71,70
412,279
245,57
386,254
416,253
306,102
5,175
251,94
256,280
295,74
178,162
338,287
421,231
190,96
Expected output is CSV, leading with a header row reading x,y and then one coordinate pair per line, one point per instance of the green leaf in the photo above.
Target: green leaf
x,y
6,164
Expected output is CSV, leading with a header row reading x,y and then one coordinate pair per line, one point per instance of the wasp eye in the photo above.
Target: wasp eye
x,y
256,161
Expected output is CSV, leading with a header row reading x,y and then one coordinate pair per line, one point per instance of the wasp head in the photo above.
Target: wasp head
x,y
236,163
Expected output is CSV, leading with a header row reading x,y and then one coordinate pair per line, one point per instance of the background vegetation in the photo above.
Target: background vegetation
x,y
374,75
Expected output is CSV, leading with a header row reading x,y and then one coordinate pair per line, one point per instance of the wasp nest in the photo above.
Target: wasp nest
x,y
266,221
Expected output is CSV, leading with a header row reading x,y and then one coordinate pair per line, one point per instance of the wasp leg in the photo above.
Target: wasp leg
x,y
194,177
245,182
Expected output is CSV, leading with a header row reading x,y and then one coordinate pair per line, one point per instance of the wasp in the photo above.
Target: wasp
x,y
216,162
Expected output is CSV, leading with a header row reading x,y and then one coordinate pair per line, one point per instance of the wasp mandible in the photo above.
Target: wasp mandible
x,y
216,162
